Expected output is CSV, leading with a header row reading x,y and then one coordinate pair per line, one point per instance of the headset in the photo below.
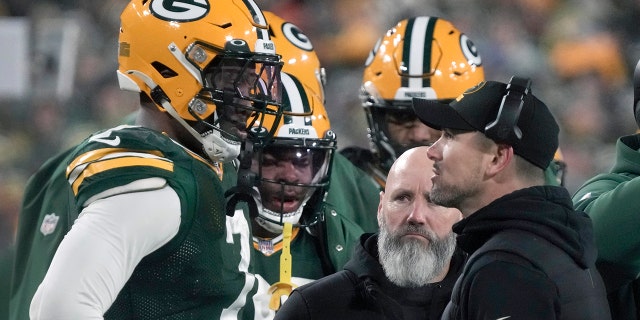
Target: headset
x,y
505,128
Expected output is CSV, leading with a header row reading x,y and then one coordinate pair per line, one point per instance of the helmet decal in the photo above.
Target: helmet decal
x,y
204,66
179,10
293,101
470,50
263,33
296,36
416,54
297,49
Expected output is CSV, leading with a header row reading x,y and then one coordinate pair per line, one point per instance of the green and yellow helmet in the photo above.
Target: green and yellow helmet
x,y
303,137
422,57
193,59
298,53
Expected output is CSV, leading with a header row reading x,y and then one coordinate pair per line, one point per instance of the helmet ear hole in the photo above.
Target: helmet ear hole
x,y
163,70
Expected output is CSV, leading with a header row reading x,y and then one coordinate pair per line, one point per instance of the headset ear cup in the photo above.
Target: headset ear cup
x,y
505,127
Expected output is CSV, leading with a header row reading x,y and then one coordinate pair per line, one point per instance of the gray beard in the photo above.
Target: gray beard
x,y
409,262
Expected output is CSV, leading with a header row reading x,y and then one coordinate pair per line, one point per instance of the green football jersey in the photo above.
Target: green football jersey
x,y
348,210
203,271
47,213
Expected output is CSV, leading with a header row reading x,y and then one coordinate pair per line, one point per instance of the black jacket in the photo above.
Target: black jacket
x,y
531,257
362,291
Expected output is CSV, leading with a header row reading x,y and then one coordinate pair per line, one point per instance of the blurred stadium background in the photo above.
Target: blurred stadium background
x,y
58,62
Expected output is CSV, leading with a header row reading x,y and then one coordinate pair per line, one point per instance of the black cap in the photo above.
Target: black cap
x,y
478,107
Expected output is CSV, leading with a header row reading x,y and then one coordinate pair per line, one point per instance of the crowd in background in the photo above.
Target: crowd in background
x,y
579,54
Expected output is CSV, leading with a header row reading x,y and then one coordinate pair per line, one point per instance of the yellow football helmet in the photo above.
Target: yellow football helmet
x,y
298,54
296,164
557,169
200,61
423,57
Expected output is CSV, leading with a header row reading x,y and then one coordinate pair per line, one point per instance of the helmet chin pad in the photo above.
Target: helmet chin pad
x,y
220,149
270,220
273,221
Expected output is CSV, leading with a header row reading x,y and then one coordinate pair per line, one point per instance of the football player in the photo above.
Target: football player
x,y
326,201
421,57
152,239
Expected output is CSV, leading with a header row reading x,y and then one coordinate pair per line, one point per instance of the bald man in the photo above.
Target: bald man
x,y
407,271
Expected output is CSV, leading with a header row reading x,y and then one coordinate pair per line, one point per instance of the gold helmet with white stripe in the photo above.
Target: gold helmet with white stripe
x,y
299,56
422,57
207,63
296,164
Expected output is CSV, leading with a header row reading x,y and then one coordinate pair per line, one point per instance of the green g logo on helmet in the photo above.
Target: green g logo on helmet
x,y
181,11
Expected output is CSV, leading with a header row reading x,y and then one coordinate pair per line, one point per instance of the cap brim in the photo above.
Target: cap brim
x,y
439,115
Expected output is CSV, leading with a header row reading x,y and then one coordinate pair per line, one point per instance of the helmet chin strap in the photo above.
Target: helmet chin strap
x,y
272,224
216,147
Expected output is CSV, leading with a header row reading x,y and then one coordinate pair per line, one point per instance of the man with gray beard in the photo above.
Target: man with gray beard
x,y
407,271
399,256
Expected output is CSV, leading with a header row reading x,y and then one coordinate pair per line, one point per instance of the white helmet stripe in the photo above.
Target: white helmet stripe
x,y
416,57
258,17
296,102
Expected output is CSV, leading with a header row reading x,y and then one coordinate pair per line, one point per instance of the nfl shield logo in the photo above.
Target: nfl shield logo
x,y
265,246
49,224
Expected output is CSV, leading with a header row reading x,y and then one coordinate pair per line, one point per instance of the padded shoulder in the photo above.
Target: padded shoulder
x,y
116,158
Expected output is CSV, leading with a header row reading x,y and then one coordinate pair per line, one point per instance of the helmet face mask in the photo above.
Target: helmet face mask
x,y
289,175
422,57
239,88
209,64
294,167
393,130
296,164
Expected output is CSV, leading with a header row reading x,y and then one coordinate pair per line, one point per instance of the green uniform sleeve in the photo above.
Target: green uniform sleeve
x,y
613,203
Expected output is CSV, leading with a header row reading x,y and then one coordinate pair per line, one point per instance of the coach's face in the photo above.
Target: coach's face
x,y
416,241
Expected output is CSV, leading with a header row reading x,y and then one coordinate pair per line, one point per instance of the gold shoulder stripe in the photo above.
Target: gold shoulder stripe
x,y
109,163
101,153
105,165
